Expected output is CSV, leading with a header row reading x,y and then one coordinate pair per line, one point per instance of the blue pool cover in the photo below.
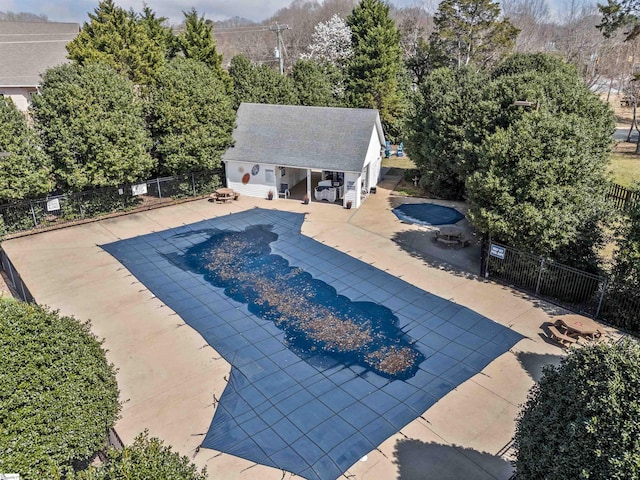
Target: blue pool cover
x,y
307,410
427,214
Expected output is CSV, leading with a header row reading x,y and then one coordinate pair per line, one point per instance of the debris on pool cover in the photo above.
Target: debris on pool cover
x,y
314,317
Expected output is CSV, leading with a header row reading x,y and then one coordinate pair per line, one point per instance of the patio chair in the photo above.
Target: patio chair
x,y
284,190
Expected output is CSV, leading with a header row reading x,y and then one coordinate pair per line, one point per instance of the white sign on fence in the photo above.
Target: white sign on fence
x,y
497,251
53,205
140,189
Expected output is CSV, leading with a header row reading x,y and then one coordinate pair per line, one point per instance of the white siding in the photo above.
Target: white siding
x,y
258,185
21,96
352,186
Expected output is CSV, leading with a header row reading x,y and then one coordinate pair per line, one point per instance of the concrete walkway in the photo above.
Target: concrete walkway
x,y
169,377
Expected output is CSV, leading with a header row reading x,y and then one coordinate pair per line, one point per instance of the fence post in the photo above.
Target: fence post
x,y
604,290
193,183
33,214
483,255
539,276
159,191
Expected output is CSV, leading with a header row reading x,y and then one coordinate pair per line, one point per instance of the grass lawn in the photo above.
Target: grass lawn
x,y
403,164
625,167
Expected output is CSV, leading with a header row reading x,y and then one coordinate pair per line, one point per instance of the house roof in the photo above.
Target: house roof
x,y
27,49
327,138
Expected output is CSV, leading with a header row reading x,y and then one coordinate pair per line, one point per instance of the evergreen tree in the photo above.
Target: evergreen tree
x,y
157,30
471,32
25,170
376,63
92,126
190,116
540,185
617,14
116,37
312,84
260,84
196,40
447,124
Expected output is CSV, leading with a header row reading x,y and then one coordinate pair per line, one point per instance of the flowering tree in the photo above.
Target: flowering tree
x,y
331,42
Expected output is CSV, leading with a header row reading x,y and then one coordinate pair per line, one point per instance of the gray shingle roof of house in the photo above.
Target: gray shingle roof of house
x,y
27,49
326,138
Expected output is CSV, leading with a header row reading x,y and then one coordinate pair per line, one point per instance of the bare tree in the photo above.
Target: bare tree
x,y
414,23
533,20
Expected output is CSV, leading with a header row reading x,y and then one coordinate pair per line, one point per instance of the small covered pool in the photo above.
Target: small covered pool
x,y
427,214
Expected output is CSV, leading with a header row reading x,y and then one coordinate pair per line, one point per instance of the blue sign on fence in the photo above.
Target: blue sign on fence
x,y
497,251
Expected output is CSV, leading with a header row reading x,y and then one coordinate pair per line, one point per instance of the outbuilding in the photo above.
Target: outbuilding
x,y
331,154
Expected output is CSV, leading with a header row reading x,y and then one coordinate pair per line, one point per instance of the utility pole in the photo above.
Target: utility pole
x,y
278,51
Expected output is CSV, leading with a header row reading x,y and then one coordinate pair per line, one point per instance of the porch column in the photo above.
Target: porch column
x,y
309,183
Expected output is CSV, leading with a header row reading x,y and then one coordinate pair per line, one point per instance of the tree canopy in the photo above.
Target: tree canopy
x,y
196,40
25,171
59,394
260,84
191,117
471,33
617,14
117,38
583,419
376,63
534,175
539,182
331,43
450,117
92,127
312,84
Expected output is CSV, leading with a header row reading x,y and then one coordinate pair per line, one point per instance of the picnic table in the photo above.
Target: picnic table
x,y
451,235
223,195
578,326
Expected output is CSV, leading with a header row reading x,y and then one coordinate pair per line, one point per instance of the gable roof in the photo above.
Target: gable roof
x,y
327,138
27,49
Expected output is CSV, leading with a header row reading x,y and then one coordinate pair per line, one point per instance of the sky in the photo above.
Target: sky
x,y
77,10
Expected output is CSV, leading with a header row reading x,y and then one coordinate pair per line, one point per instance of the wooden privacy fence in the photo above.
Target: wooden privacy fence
x,y
621,197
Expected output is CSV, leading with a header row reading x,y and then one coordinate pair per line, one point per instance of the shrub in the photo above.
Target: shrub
x,y
583,419
59,394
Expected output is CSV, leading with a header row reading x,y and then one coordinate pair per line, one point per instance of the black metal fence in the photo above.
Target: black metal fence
x,y
14,279
60,209
560,284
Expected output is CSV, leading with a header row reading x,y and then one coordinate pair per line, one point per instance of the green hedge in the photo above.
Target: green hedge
x,y
59,394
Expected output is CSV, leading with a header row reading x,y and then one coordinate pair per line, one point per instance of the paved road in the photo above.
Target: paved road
x,y
621,134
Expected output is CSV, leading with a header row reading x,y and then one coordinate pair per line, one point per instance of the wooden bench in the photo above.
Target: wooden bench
x,y
560,337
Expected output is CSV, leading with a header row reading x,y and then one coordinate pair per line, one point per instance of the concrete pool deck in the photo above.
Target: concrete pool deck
x,y
170,378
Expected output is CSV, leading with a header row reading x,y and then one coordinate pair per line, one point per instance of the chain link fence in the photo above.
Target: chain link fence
x,y
61,209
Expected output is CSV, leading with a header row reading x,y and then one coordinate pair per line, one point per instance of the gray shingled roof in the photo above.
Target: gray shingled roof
x,y
27,49
305,137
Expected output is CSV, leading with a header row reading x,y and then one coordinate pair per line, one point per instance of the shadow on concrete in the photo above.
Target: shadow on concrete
x,y
418,460
420,244
534,362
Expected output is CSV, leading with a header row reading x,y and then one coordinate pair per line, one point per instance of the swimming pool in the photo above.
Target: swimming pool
x,y
294,402
427,214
